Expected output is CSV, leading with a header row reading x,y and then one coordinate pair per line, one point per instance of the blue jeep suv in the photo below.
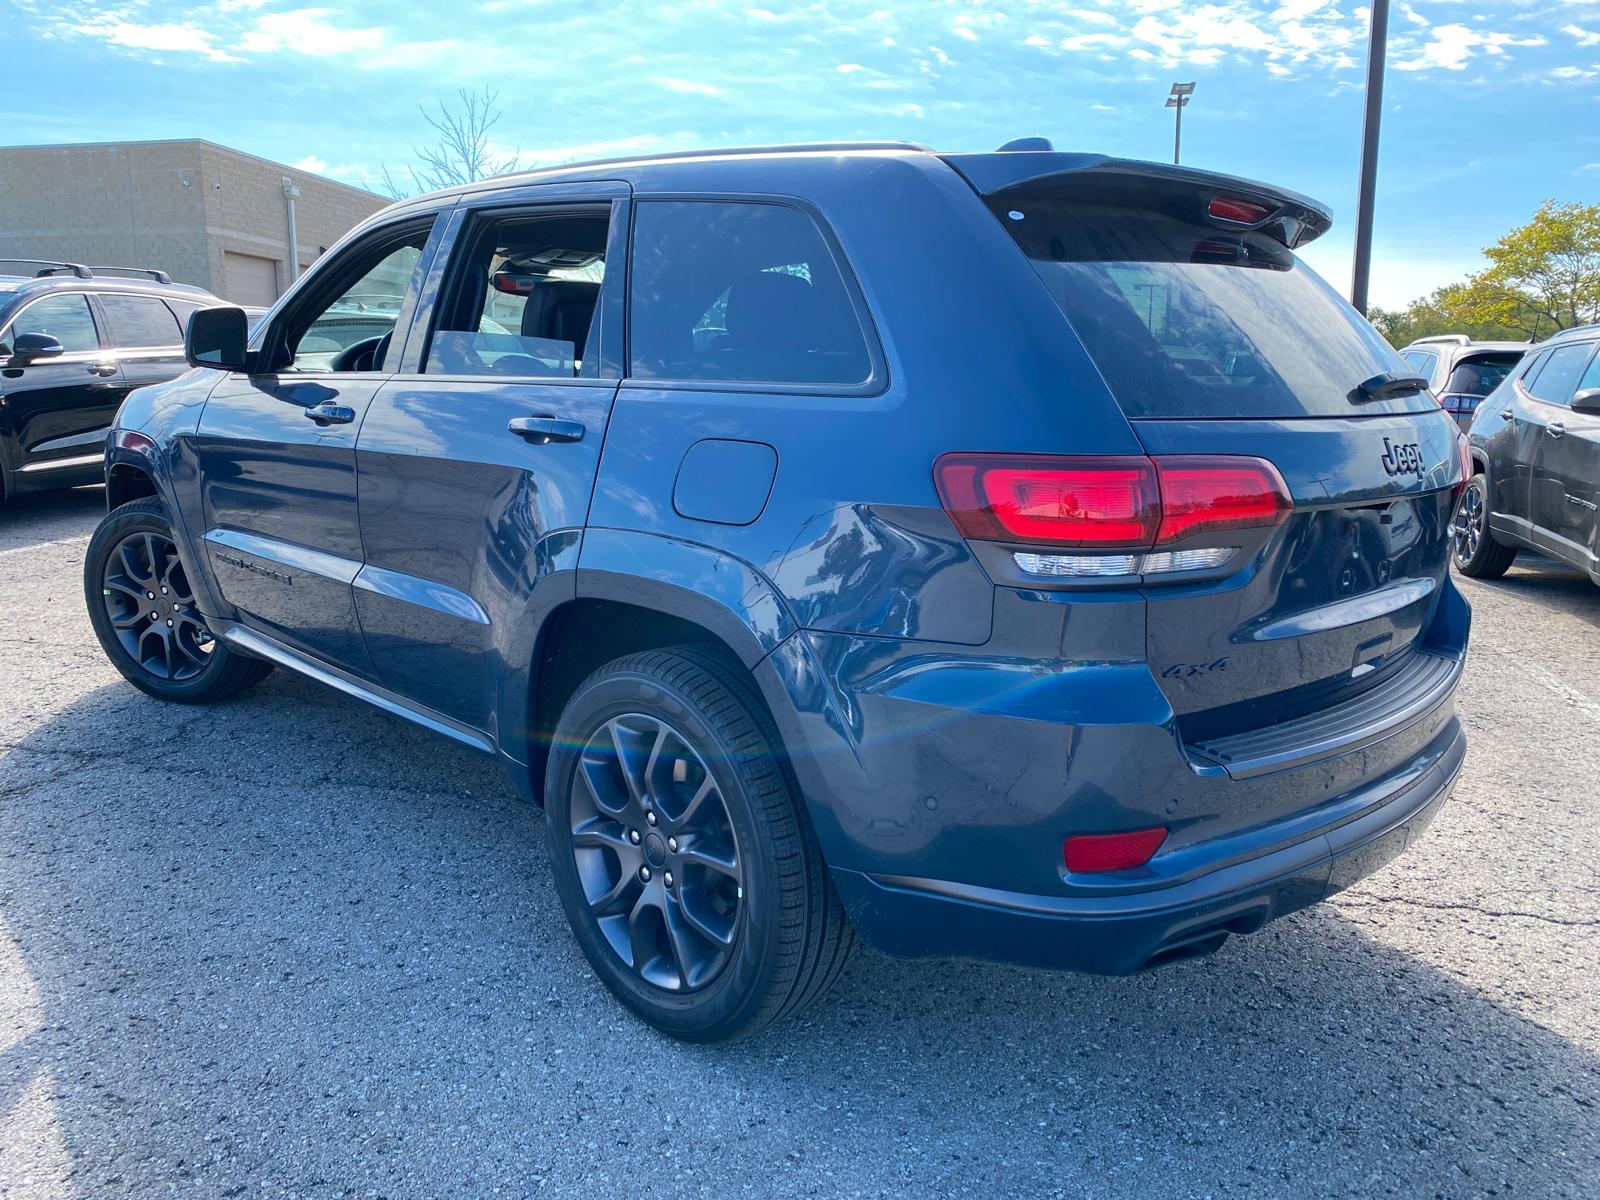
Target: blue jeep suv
x,y
1015,555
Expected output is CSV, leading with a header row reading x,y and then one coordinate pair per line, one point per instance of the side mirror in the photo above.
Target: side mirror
x,y
32,346
1587,401
216,337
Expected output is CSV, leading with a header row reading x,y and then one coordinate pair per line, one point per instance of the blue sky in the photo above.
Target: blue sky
x,y
1490,107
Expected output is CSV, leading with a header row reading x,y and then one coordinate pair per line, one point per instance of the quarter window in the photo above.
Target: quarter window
x,y
65,318
742,293
138,321
1558,378
524,299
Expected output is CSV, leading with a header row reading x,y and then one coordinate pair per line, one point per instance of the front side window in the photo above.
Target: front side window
x,y
523,297
1559,376
139,321
740,292
350,331
65,318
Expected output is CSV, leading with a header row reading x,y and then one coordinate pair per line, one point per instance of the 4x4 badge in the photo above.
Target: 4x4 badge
x,y
1401,458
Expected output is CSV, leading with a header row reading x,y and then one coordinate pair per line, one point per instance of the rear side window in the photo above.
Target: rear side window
x,y
1186,319
137,321
65,318
741,293
524,301
1558,377
1480,376
1422,362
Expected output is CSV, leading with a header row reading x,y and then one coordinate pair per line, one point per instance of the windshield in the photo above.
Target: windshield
x,y
1480,376
1185,319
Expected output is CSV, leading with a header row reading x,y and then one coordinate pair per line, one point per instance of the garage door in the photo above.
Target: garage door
x,y
248,279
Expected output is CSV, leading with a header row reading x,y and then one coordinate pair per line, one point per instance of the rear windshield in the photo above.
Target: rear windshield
x,y
1481,375
1186,319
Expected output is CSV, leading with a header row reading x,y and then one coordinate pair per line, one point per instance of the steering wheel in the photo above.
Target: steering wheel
x,y
361,356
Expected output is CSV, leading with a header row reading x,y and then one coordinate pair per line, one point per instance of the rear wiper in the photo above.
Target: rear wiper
x,y
1387,386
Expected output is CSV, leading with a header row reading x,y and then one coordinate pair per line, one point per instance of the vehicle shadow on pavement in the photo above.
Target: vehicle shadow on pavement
x,y
28,520
289,945
1551,585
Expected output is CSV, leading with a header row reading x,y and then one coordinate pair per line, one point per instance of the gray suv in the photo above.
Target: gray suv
x,y
1535,448
1460,371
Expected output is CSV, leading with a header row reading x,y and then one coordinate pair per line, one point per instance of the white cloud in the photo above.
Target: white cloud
x,y
1584,37
1453,46
304,31
687,87
170,36
962,31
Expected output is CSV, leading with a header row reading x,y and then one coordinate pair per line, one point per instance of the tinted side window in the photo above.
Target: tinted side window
x,y
739,292
1422,362
1558,378
524,297
65,318
139,321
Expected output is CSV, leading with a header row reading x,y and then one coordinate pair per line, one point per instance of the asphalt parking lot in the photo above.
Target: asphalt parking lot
x,y
292,947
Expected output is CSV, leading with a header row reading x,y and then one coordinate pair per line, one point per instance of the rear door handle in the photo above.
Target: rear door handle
x,y
103,370
328,413
1506,414
545,428
1556,429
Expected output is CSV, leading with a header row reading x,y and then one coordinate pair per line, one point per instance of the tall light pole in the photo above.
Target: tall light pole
x,y
1377,44
1177,99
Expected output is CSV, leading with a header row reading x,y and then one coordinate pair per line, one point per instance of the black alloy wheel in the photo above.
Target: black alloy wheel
x,y
682,850
150,604
143,608
656,852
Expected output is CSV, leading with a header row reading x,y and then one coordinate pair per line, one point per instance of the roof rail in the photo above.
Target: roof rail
x,y
1458,339
49,266
1575,329
158,276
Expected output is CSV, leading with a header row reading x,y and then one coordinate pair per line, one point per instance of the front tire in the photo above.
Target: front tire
x,y
682,852
143,611
1472,542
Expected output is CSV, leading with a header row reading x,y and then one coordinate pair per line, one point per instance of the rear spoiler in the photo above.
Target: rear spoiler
x,y
1294,219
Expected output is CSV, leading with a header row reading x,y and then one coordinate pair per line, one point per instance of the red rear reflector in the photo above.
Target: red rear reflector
x,y
1206,495
1244,212
1126,502
1090,852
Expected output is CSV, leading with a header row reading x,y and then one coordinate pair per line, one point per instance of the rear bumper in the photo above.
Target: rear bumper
x,y
1136,929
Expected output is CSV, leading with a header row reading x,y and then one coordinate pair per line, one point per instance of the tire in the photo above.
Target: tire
x,y
709,787
1472,543
154,635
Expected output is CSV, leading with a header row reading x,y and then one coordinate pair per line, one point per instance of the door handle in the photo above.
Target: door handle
x,y
1556,429
1506,414
328,413
103,369
544,428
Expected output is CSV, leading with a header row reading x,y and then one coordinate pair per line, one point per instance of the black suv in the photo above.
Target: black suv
x,y
1460,371
1536,462
74,341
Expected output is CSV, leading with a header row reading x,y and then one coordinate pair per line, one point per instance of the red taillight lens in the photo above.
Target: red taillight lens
x,y
1129,502
1206,495
1104,503
1091,852
1245,212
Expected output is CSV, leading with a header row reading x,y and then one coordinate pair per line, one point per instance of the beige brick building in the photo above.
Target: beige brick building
x,y
203,213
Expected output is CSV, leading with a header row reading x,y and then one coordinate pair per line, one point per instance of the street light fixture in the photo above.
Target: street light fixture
x,y
1177,100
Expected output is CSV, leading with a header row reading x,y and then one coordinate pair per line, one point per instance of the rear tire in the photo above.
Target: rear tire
x,y
1472,542
143,611
662,763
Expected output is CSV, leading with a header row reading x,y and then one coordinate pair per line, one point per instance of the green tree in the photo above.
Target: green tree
x,y
1542,277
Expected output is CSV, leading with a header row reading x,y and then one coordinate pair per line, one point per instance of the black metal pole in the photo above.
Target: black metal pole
x,y
1177,130
1376,48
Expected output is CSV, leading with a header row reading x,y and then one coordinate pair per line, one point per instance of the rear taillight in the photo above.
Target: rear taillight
x,y
1125,503
1093,852
1244,212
